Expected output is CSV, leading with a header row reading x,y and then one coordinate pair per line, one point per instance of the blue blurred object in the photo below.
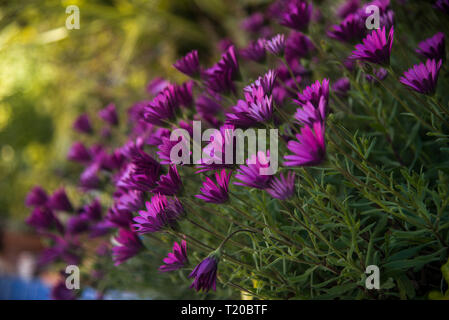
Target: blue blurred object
x,y
16,288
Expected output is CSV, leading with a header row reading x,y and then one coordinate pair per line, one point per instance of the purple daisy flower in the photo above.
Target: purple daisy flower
x,y
250,174
102,249
242,114
314,92
317,15
296,14
266,32
380,74
169,184
165,148
77,224
79,153
283,187
142,173
205,274
111,161
297,46
155,137
160,213
162,107
207,106
119,218
224,44
309,114
132,148
286,90
219,78
184,93
36,197
253,23
89,179
433,48
99,229
258,104
255,51
139,178
106,133
59,201
189,64
62,249
376,47
131,201
350,6
128,246
442,5
82,124
216,192
261,109
257,108
93,210
349,64
351,29
280,93
43,218
176,259
310,149
422,78
229,62
341,87
157,85
275,9
267,82
276,45
61,292
109,114
387,19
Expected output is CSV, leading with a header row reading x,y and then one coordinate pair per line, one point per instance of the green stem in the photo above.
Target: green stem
x,y
439,105
292,75
231,235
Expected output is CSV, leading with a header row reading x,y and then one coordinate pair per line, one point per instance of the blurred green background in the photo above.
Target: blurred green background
x,y
49,74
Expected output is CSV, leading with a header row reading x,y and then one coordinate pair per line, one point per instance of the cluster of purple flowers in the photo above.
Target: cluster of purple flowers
x,y
423,77
47,216
148,189
309,147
